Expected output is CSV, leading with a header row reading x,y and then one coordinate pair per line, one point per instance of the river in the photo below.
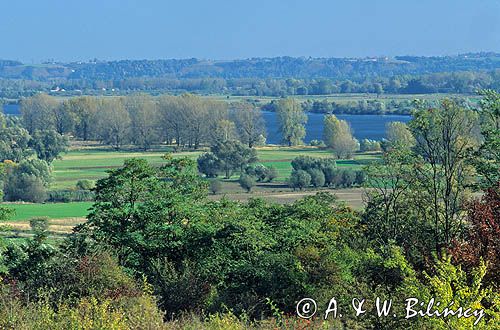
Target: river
x,y
363,126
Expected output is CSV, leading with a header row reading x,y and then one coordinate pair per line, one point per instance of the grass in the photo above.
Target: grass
x,y
26,211
93,163
62,218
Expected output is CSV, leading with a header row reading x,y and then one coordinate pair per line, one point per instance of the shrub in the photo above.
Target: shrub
x,y
27,181
215,186
317,177
233,156
259,172
247,182
360,177
329,172
315,166
39,224
307,163
85,313
348,178
369,145
180,287
66,196
262,173
35,167
317,143
304,163
85,184
338,178
39,227
209,165
25,187
299,179
272,174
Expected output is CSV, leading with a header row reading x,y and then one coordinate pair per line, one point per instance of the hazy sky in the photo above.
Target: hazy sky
x,y
70,30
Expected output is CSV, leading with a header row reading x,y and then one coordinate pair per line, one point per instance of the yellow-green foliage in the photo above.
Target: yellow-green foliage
x,y
138,312
228,321
451,283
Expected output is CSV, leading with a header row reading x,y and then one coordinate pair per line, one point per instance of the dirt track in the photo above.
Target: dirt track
x,y
353,197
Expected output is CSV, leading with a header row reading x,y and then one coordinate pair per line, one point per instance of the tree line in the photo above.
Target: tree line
x,y
283,76
187,120
281,67
466,82
145,121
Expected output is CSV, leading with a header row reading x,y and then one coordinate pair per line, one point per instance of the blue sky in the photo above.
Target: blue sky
x,y
70,30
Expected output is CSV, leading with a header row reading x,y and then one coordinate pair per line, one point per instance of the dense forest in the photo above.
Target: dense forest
x,y
278,67
278,76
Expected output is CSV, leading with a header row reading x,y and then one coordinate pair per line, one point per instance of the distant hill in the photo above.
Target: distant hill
x,y
278,67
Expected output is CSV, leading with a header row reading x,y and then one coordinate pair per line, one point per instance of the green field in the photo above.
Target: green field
x,y
51,210
92,164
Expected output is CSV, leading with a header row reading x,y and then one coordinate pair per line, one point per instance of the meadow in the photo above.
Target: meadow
x,y
92,163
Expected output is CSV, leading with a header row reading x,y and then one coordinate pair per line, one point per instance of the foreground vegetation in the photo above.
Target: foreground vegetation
x,y
267,257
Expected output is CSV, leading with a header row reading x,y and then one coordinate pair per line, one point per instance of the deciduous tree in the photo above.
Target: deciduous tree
x,y
143,115
292,120
338,136
38,112
446,137
399,135
113,123
48,144
249,123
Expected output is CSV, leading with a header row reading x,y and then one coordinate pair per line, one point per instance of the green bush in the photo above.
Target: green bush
x,y
87,313
314,166
40,224
27,181
317,178
209,165
348,178
272,173
66,196
247,182
261,172
360,177
317,143
85,184
329,172
215,186
25,187
299,179
369,145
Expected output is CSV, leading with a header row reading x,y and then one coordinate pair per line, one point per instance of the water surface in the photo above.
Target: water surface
x,y
363,126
